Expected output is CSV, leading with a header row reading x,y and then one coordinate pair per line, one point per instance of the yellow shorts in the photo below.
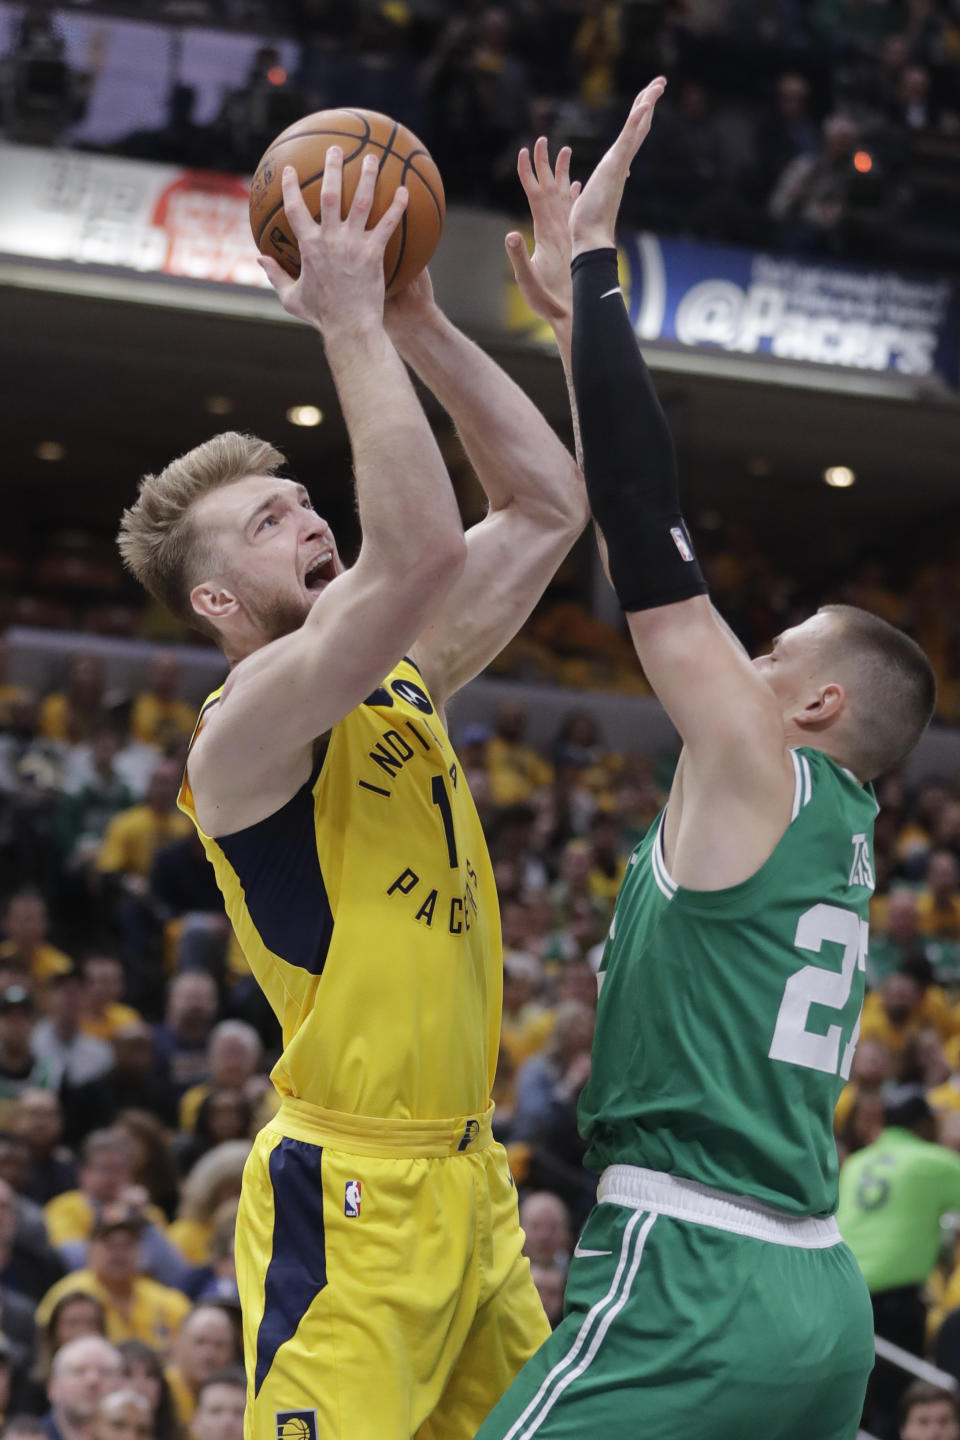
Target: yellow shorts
x,y
384,1293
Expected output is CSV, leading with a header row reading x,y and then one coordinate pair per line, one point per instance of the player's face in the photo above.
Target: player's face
x,y
278,554
791,669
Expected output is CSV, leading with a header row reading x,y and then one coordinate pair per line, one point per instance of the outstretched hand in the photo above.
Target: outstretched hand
x,y
544,276
593,219
410,307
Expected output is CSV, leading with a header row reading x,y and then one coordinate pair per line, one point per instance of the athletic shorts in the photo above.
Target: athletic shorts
x,y
383,1291
691,1316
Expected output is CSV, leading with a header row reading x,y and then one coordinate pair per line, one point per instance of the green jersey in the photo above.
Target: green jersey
x,y
727,1019
892,1195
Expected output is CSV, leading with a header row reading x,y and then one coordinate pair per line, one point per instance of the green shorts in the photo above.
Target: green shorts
x,y
690,1316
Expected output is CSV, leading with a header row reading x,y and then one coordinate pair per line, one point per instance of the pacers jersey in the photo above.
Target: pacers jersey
x,y
727,1019
367,910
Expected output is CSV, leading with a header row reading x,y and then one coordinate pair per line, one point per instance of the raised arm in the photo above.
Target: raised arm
x,y
533,485
736,776
285,694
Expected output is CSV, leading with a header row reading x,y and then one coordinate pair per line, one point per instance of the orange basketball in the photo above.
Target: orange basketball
x,y
403,161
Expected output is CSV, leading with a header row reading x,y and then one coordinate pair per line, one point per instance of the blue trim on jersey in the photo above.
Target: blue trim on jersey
x,y
277,864
297,1271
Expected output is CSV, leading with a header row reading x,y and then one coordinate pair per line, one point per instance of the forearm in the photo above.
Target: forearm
x,y
517,456
629,462
563,334
404,496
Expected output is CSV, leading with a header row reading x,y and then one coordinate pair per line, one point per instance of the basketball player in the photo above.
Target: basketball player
x,y
710,1296
378,1247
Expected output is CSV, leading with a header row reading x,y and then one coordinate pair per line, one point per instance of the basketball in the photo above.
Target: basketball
x,y
403,161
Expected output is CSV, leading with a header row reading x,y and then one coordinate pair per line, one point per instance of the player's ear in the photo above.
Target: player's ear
x,y
213,601
825,705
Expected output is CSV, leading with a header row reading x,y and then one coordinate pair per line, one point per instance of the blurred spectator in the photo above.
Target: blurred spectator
x,y
20,1069
143,1370
872,1069
214,1179
812,200
545,1221
785,131
897,1011
73,1317
550,1281
29,1265
123,1415
78,1067
206,1343
923,1062
234,1053
159,714
901,941
106,1177
42,95
10,692
220,1406
252,117
216,1283
224,1115
527,1022
153,1165
142,1077
928,1412
83,1372
26,950
134,837
76,712
515,768
102,1012
31,772
938,903
136,1307
596,49
38,1118
180,1042
87,808
893,1194
545,1109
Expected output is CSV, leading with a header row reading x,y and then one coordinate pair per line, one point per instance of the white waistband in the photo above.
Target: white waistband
x,y
641,1189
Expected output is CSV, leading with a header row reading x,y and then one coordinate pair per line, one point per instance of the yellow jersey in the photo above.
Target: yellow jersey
x,y
153,1314
367,910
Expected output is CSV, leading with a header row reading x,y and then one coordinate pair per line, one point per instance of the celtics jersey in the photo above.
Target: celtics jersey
x,y
727,1019
367,911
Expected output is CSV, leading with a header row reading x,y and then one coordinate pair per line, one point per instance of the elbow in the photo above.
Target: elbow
x,y
441,559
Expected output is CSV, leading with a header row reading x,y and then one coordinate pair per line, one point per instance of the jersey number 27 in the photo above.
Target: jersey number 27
x,y
813,985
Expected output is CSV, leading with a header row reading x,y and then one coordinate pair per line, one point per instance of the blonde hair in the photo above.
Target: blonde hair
x,y
159,541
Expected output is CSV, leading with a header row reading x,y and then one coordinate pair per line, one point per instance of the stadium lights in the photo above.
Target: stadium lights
x,y
50,450
306,415
218,404
841,477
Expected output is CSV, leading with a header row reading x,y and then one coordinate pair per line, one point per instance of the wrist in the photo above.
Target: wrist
x,y
408,331
594,239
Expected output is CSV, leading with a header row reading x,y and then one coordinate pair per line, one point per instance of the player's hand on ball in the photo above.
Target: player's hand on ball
x,y
593,218
341,262
544,276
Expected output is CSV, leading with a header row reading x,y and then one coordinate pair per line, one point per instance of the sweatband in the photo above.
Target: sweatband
x,y
628,459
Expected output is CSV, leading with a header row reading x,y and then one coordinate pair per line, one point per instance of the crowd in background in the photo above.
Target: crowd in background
x,y
135,1046
817,126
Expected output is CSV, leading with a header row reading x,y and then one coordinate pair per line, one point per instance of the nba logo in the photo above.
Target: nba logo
x,y
296,1424
680,540
351,1199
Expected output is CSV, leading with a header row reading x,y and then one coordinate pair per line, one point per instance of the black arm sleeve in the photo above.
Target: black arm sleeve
x,y
628,457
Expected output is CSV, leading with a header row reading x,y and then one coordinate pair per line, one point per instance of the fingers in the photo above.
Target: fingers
x,y
575,189
274,272
541,160
390,218
331,186
525,171
363,196
562,167
298,216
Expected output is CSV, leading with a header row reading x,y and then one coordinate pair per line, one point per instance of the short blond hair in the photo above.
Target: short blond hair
x,y
158,541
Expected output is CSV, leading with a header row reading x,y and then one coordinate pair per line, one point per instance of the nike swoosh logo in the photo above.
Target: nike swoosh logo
x,y
581,1254
614,291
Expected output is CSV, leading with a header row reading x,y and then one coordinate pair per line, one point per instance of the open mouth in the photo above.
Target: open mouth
x,y
320,571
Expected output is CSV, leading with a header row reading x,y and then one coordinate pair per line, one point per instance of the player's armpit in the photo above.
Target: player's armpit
x,y
255,750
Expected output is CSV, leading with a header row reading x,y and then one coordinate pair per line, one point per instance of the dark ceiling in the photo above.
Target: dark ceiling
x,y
123,387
